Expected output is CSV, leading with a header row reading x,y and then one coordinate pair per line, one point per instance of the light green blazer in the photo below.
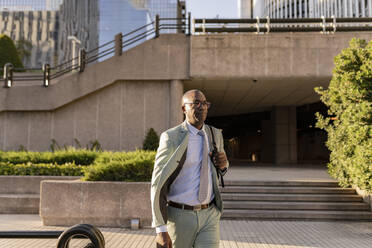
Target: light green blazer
x,y
169,160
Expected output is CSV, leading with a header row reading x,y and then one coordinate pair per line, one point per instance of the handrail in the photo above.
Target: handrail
x,y
105,50
152,30
280,20
266,25
103,45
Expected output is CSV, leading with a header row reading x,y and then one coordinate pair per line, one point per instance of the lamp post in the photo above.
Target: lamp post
x,y
75,41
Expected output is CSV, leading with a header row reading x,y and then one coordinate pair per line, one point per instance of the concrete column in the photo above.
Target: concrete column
x,y
267,152
285,134
175,96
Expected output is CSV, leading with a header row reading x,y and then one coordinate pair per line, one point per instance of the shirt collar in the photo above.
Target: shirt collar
x,y
193,129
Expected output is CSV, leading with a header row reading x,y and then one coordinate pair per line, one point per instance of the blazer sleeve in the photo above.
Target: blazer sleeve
x,y
221,149
162,156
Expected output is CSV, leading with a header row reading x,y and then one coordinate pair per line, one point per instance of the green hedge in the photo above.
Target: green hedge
x,y
131,167
30,169
349,124
80,157
93,165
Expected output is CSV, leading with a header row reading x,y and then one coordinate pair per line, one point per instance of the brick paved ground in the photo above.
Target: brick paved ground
x,y
234,234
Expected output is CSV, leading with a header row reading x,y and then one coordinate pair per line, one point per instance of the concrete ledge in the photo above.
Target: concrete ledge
x,y
104,204
367,197
19,203
26,184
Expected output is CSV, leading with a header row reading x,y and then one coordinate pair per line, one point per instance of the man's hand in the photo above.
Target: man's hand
x,y
163,240
220,160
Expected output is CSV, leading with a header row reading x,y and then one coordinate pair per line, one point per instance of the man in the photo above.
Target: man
x,y
186,203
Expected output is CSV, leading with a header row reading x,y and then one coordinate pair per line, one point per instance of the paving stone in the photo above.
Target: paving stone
x,y
234,234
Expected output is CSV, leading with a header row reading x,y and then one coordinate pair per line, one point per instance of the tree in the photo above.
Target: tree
x,y
8,53
151,141
349,124
24,48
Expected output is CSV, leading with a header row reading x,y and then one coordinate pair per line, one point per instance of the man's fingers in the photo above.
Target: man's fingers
x,y
169,241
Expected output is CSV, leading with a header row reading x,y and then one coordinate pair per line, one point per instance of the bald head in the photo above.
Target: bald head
x,y
195,107
190,96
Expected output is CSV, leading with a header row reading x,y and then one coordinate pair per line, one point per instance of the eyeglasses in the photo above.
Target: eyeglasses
x,y
197,104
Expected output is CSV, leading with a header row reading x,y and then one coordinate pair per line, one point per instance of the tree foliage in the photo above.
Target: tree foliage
x,y
349,124
151,141
24,48
8,52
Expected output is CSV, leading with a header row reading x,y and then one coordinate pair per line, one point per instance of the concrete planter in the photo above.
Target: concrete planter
x,y
104,204
367,197
26,184
21,194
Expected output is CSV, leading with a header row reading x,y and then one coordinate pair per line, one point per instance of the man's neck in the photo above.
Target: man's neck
x,y
197,126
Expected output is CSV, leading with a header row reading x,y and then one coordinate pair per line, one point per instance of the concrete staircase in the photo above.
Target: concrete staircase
x,y
292,200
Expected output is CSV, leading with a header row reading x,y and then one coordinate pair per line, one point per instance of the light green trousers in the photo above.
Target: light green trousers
x,y
198,229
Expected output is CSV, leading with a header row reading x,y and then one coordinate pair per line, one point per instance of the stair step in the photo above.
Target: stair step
x,y
287,190
19,203
298,215
356,206
292,197
282,183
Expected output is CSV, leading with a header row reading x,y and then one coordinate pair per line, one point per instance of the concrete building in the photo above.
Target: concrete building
x,y
48,23
79,19
39,28
305,8
261,88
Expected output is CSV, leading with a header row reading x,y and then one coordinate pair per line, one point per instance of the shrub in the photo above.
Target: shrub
x,y
107,156
130,167
349,126
72,155
30,169
98,166
8,53
151,141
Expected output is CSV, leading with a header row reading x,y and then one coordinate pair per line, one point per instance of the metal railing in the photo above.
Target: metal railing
x,y
267,25
116,47
123,42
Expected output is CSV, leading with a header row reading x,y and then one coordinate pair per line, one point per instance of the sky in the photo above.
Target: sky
x,y
212,8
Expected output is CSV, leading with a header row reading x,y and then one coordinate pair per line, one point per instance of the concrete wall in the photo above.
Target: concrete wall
x,y
270,56
118,116
367,197
21,194
26,184
115,101
110,204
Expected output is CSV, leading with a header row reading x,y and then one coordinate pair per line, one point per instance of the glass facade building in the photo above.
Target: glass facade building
x,y
46,24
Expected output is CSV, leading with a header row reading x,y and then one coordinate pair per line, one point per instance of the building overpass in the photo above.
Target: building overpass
x,y
116,101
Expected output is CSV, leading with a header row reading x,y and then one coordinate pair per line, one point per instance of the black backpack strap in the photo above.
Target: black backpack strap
x,y
219,173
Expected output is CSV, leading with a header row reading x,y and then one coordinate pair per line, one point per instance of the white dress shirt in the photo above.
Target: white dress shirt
x,y
185,188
